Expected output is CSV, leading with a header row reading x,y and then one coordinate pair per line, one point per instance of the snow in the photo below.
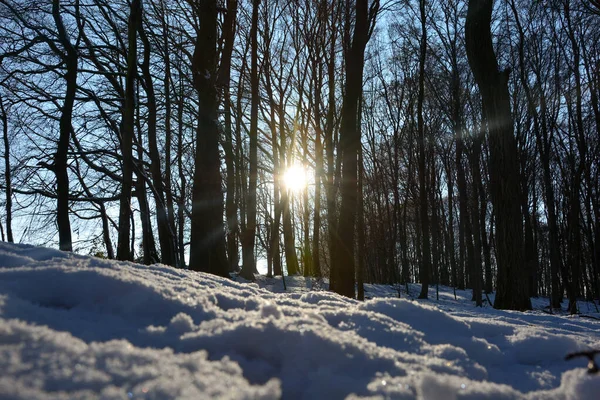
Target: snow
x,y
77,327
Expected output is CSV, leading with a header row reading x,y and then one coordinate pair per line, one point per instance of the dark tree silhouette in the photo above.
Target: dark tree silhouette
x,y
127,127
504,172
208,249
343,268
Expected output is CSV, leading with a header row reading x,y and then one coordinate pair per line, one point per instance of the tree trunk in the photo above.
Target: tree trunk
x,y
182,177
231,214
436,253
360,272
7,172
543,143
343,267
485,242
106,232
149,254
208,249
225,76
465,244
168,138
504,167
241,166
165,235
476,281
291,258
127,126
331,190
249,261
306,247
318,174
451,240
577,171
277,204
60,166
425,265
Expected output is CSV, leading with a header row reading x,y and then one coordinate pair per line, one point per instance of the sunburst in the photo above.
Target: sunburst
x,y
295,178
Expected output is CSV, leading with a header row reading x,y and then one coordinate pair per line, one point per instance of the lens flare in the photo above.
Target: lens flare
x,y
295,178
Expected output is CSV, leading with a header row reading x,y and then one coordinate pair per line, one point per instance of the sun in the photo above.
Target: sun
x,y
295,178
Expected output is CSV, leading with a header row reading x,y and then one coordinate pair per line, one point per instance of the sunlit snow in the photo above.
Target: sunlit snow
x,y
75,327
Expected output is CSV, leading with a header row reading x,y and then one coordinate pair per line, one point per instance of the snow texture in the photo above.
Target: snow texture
x,y
74,327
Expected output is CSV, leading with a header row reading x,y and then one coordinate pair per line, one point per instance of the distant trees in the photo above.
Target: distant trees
x,y
166,128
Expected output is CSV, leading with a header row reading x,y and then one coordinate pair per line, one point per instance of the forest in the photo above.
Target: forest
x,y
444,142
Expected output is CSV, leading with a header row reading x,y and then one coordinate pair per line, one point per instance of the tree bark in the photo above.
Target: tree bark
x,y
208,249
60,167
291,258
275,247
425,265
182,177
360,272
476,280
165,235
330,186
504,167
249,259
149,254
543,142
319,170
7,172
127,127
450,248
577,171
168,137
485,241
229,27
343,267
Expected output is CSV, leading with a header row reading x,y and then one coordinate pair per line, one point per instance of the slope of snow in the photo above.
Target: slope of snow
x,y
77,327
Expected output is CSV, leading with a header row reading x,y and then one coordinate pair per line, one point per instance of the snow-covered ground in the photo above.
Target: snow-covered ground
x,y
76,327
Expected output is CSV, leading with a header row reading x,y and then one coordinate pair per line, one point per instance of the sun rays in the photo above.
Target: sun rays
x,y
295,178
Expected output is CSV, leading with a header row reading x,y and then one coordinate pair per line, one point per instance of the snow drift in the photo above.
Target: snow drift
x,y
76,327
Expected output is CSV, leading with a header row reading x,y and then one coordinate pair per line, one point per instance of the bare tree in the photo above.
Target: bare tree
x,y
504,172
249,235
127,131
208,252
425,267
343,267
7,170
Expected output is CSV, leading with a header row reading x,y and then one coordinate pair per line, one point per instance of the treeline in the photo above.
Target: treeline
x,y
448,142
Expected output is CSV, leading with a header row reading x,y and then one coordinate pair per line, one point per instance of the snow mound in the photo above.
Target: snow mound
x,y
76,327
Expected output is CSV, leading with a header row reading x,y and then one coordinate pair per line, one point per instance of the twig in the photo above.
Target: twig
x,y
488,299
592,366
